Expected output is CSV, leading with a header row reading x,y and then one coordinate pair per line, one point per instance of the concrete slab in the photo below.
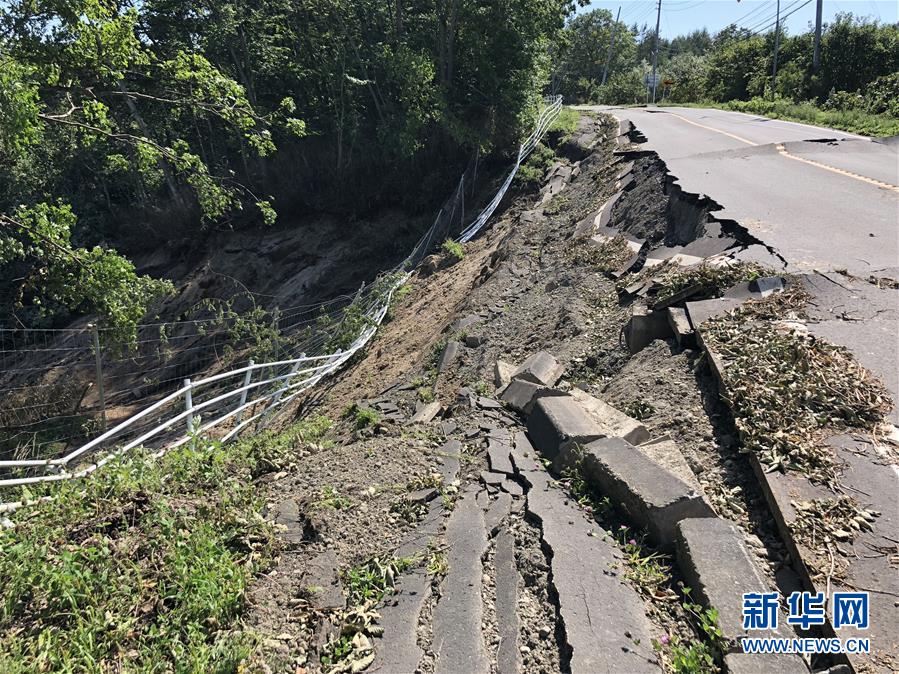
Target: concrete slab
x,y
652,497
520,395
605,622
450,351
397,650
559,422
701,311
508,657
540,368
497,510
613,423
457,640
498,456
665,452
451,454
715,563
523,455
426,413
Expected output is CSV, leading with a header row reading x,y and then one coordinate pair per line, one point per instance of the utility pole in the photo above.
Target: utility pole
x,y
605,71
655,52
816,57
776,48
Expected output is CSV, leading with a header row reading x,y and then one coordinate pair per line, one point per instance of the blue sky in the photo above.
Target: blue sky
x,y
682,16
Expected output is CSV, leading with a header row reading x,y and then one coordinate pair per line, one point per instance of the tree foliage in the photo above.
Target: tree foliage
x,y
859,62
125,124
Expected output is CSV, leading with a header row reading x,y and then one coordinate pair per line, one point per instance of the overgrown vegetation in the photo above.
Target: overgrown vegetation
x,y
453,250
127,125
607,256
143,567
855,88
361,417
785,387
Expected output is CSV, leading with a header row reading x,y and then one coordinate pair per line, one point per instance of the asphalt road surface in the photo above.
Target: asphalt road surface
x,y
824,199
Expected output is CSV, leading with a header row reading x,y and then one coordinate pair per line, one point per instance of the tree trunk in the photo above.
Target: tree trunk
x,y
161,162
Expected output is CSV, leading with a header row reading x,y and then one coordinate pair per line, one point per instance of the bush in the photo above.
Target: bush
x,y
453,249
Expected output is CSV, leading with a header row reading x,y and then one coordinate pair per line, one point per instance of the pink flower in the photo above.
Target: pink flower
x,y
632,542
665,639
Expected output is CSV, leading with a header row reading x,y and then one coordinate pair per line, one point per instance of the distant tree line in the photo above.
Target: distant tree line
x,y
859,64
128,124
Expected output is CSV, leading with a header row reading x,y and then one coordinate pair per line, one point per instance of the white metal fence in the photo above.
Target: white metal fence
x,y
232,400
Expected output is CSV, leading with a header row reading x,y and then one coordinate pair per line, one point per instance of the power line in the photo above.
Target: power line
x,y
761,6
768,18
783,16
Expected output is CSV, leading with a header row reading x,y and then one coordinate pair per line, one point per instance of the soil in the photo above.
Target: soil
x,y
523,286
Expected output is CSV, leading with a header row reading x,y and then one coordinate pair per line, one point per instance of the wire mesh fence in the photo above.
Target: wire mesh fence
x,y
72,400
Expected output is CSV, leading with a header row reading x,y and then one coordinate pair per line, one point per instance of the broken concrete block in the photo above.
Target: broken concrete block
x,y
665,452
644,327
584,228
612,422
502,373
680,326
472,341
714,561
654,498
540,368
466,322
604,216
764,663
557,423
520,395
450,351
426,413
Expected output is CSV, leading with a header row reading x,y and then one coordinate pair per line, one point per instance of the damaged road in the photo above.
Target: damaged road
x,y
825,199
537,459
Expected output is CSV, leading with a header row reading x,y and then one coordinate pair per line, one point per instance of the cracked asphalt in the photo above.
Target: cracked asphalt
x,y
822,205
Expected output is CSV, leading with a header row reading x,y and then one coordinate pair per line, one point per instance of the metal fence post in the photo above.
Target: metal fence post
x,y
101,392
243,396
189,405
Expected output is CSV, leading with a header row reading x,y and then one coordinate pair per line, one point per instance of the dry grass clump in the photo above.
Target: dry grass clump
x,y
786,386
608,256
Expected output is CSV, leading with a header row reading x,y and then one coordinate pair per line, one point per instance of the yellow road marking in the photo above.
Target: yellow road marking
x,y
843,172
784,153
711,128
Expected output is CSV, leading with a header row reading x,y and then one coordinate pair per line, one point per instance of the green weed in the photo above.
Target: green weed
x,y
144,567
453,249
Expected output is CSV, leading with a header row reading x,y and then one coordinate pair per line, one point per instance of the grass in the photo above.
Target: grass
x,y
566,123
362,417
331,498
453,249
144,567
853,121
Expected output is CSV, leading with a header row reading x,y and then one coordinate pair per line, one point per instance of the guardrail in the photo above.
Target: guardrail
x,y
228,396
